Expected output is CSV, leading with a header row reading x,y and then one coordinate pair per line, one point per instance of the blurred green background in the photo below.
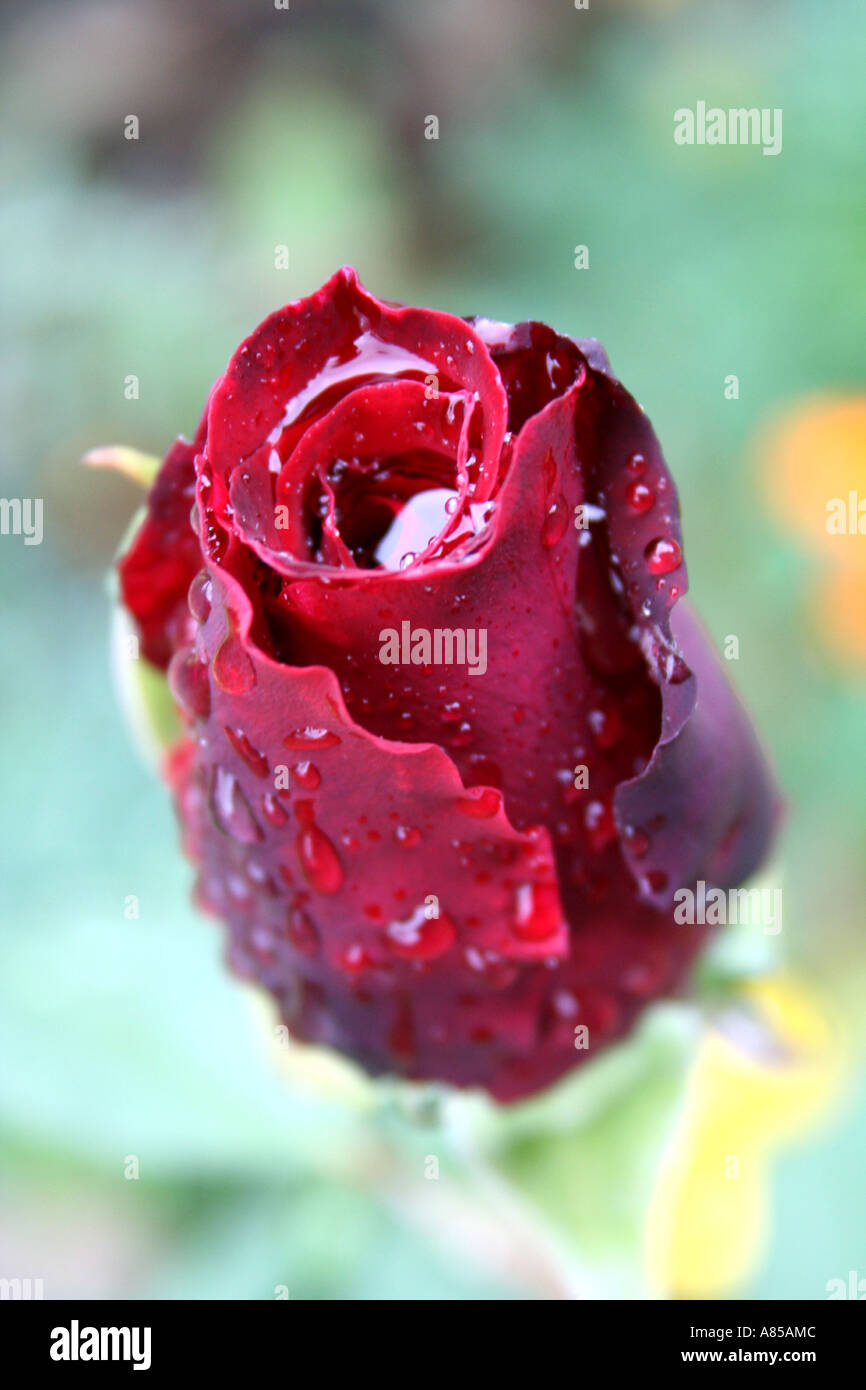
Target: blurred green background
x,y
305,128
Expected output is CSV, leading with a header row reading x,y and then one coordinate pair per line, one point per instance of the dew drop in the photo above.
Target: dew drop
x,y
216,539
230,808
353,959
274,812
606,727
663,555
638,841
420,937
200,596
408,836
482,807
319,860
305,740
600,825
640,497
636,465
189,684
463,734
232,669
537,911
307,775
255,761
555,523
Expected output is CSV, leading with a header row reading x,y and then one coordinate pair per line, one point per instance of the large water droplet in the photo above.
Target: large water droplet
x,y
255,761
230,808
189,683
536,911
233,670
200,596
319,860
663,555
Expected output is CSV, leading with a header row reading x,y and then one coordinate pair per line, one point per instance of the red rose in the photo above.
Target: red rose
x,y
452,741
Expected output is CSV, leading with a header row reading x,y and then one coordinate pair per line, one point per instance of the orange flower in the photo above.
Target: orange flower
x,y
814,480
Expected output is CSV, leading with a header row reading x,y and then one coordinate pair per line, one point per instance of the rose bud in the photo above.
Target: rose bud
x,y
452,740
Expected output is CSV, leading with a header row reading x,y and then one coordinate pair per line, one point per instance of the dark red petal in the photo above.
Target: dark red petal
x,y
707,792
156,571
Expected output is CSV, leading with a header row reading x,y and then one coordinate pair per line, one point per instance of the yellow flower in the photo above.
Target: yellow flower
x,y
767,1071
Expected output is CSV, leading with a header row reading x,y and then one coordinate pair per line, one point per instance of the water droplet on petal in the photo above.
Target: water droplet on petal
x,y
189,683
353,959
450,713
307,775
637,841
640,497
636,465
600,825
319,860
463,734
537,913
407,835
230,808
606,727
483,806
275,813
555,523
309,738
663,555
200,596
255,761
420,937
233,670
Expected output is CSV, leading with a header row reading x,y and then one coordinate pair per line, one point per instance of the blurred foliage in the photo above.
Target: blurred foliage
x,y
156,257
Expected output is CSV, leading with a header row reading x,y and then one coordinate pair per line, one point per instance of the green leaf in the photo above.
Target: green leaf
x,y
141,468
145,698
